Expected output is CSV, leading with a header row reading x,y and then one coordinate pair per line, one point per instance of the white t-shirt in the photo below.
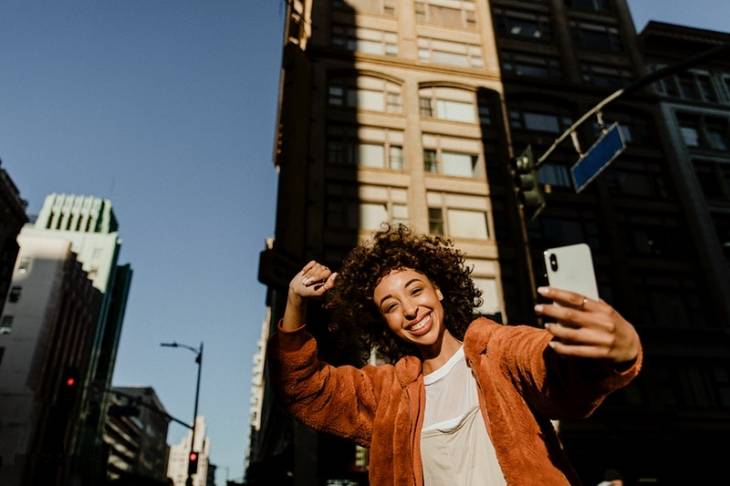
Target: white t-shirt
x,y
455,446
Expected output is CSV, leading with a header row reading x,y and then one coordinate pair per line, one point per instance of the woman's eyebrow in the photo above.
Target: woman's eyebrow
x,y
412,280
384,299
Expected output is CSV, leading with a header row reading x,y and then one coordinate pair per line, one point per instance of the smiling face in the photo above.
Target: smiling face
x,y
411,306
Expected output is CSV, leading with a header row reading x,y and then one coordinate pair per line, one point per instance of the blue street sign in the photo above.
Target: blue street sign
x,y
598,157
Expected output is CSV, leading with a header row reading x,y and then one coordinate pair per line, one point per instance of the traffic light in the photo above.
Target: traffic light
x,y
192,462
527,184
69,387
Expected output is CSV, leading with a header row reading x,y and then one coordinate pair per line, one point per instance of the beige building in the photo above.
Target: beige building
x,y
382,119
46,337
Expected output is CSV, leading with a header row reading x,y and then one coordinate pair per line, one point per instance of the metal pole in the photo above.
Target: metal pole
x,y
199,360
635,86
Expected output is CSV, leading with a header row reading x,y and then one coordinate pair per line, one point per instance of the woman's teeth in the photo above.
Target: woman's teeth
x,y
421,324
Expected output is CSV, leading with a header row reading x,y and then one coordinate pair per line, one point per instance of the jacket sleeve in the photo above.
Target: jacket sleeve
x,y
556,386
339,400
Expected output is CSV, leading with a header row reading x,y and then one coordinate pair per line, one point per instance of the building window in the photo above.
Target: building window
x,y
637,179
365,93
365,207
456,14
530,66
365,147
605,76
450,163
367,41
451,156
372,215
467,223
448,104
458,215
14,294
378,7
540,122
655,235
6,324
690,136
436,221
2,353
567,228
461,223
24,265
596,37
522,25
590,5
452,53
704,132
692,85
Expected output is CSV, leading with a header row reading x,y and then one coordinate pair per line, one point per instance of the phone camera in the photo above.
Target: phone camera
x,y
553,262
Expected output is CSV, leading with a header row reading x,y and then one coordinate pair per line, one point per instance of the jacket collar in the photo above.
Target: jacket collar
x,y
409,368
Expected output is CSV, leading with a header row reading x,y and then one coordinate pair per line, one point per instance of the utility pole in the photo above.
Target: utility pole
x,y
193,455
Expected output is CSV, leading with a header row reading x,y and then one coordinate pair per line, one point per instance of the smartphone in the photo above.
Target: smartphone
x,y
571,268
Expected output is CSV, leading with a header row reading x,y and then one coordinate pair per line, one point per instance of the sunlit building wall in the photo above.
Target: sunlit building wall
x,y
46,330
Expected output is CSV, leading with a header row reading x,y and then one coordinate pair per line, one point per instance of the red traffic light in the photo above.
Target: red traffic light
x,y
193,462
70,381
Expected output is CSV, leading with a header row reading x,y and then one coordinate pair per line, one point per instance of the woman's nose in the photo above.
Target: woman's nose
x,y
410,309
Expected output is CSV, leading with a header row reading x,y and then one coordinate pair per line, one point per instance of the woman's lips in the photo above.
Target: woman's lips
x,y
421,327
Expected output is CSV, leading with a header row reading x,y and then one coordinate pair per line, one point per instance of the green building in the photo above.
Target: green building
x,y
90,225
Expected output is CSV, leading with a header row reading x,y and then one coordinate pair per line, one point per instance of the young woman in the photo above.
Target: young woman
x,y
467,401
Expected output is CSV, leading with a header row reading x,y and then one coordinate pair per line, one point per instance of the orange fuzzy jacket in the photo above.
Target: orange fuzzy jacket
x,y
523,384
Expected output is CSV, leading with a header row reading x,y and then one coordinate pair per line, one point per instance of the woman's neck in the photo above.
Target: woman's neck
x,y
435,359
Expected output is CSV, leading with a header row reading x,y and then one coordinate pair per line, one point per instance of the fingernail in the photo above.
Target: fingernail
x,y
538,308
543,290
552,344
549,325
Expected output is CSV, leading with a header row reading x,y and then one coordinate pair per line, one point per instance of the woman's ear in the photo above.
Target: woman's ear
x,y
439,294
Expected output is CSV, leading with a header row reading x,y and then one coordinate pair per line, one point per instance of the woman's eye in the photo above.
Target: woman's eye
x,y
416,291
390,308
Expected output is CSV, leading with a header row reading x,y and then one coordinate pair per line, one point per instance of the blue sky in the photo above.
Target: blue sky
x,y
168,109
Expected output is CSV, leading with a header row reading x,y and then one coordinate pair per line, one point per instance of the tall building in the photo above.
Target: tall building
x,y
379,121
177,464
12,219
411,111
559,58
136,435
695,108
46,338
91,227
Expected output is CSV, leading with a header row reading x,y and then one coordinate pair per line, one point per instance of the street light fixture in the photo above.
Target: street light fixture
x,y
193,453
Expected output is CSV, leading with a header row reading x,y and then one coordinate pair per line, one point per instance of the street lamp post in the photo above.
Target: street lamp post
x,y
199,360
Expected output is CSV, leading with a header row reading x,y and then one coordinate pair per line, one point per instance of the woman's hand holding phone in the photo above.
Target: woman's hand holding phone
x,y
588,328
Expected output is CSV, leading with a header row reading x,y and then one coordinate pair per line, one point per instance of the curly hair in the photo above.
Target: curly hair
x,y
393,248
